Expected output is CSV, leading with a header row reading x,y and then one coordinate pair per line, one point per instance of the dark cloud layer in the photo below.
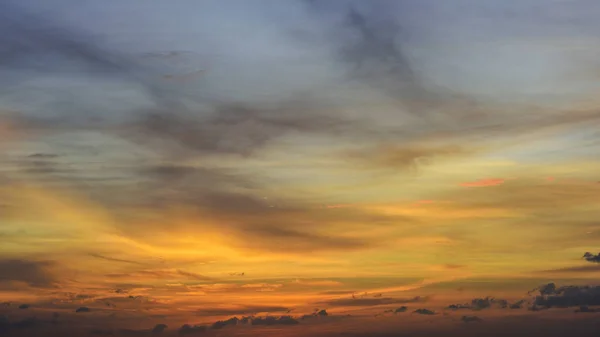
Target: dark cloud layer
x,y
481,303
591,257
34,273
372,301
566,296
245,310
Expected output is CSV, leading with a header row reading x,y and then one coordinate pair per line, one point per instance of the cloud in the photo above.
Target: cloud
x,y
480,304
83,309
296,240
566,296
235,128
402,156
343,302
591,257
107,258
484,182
424,312
221,324
241,310
43,155
162,274
187,329
34,273
273,320
401,309
517,305
577,269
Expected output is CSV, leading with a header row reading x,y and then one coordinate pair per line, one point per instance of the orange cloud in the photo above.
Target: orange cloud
x,y
484,182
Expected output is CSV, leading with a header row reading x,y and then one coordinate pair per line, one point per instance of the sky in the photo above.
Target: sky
x,y
315,167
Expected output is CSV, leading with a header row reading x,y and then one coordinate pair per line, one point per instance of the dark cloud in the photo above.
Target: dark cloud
x,y
43,155
566,296
424,312
401,309
585,308
316,313
591,257
243,310
577,269
370,43
221,324
162,274
159,328
83,309
108,258
237,129
517,305
273,320
342,302
187,329
34,273
295,240
480,304
24,306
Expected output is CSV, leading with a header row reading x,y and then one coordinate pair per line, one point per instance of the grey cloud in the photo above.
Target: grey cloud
x,y
517,305
401,309
370,43
159,328
221,324
83,309
33,41
187,329
112,259
162,274
591,257
297,241
273,320
236,129
43,155
480,304
424,312
34,273
577,269
566,296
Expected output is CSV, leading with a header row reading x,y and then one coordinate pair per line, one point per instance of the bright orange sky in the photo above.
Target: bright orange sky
x,y
301,155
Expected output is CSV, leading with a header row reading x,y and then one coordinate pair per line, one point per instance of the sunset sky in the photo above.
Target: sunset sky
x,y
182,162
